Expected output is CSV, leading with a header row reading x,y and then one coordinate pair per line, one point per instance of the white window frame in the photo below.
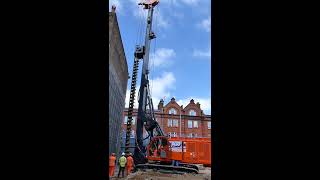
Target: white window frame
x,y
191,112
209,125
195,123
133,122
190,122
175,123
174,134
125,120
172,111
170,122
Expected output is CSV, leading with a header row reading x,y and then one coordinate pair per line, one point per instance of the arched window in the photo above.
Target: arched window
x,y
192,113
172,111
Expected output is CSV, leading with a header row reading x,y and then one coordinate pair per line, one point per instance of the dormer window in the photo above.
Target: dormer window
x,y
172,111
192,113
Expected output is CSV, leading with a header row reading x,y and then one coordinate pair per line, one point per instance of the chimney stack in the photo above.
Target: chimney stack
x,y
160,105
113,8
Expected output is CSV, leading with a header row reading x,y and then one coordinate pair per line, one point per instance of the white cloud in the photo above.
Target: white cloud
x,y
139,12
117,4
191,2
159,21
205,24
202,53
162,57
135,2
205,103
178,15
168,1
159,87
135,105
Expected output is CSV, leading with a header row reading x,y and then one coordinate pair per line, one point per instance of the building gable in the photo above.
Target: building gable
x,y
173,104
193,106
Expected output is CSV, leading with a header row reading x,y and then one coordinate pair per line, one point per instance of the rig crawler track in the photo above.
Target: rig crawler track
x,y
166,168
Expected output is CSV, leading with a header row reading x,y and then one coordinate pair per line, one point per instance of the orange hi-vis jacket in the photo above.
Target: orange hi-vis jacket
x,y
112,160
129,161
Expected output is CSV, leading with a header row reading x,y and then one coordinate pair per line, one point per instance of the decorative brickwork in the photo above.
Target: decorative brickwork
x,y
194,123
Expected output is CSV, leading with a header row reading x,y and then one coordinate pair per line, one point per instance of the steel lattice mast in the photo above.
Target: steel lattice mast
x,y
146,117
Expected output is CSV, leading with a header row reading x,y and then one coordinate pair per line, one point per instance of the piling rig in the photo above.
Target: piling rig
x,y
158,148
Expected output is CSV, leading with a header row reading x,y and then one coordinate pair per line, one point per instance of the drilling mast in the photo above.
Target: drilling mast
x,y
146,117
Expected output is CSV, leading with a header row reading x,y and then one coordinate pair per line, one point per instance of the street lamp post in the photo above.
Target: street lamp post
x,y
180,122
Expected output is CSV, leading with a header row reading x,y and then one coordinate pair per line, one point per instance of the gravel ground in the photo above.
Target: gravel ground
x,y
204,174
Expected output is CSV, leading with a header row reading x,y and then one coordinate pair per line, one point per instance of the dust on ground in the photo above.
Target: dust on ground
x,y
204,174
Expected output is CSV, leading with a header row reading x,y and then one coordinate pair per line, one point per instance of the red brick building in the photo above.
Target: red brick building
x,y
178,121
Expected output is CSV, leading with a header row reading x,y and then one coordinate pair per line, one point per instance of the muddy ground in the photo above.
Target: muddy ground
x,y
204,174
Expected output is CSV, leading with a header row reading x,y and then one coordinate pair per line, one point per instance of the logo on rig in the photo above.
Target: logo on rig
x,y
176,146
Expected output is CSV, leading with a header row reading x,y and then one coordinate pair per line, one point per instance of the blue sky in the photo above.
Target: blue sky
x,y
180,56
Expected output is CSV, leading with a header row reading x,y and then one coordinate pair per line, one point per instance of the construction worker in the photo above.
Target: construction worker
x,y
130,163
122,163
112,163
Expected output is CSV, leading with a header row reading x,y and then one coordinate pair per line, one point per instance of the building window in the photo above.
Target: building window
x,y
175,123
126,120
172,111
169,122
195,124
174,134
192,135
209,125
192,113
189,124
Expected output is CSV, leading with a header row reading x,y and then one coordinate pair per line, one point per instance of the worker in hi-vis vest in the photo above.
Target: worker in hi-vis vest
x,y
112,164
122,163
130,163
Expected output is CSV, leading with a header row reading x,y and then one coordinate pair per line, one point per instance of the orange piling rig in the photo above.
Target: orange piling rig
x,y
184,150
173,155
